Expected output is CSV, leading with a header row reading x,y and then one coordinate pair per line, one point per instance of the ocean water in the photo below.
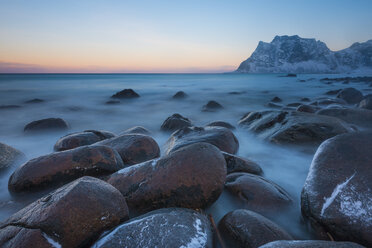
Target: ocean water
x,y
80,100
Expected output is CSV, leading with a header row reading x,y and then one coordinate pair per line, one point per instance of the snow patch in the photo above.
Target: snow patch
x,y
328,201
51,241
200,238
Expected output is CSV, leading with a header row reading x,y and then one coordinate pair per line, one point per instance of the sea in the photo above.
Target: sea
x,y
80,99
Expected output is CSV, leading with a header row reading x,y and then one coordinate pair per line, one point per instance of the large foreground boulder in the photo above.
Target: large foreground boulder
x,y
244,228
9,156
221,137
337,195
293,127
170,227
49,124
175,122
87,137
357,116
72,216
257,193
191,177
62,167
350,95
310,244
133,148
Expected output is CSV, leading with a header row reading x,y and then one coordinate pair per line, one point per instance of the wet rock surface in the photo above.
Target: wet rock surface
x,y
276,99
212,106
220,124
239,164
257,193
136,130
357,116
72,216
49,124
244,228
306,108
172,227
310,244
175,122
191,177
126,94
337,195
9,156
87,137
133,148
350,95
292,127
180,95
366,103
21,237
221,137
62,167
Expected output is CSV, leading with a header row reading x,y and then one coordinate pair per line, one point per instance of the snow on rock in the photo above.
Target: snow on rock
x,y
293,54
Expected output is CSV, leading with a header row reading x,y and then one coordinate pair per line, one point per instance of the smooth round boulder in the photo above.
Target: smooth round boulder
x,y
293,127
244,228
306,108
310,244
212,106
126,94
169,227
62,167
87,137
239,164
49,124
337,195
73,215
136,130
221,137
175,122
356,116
191,177
180,95
366,103
9,156
21,237
350,95
133,148
220,124
257,193
276,99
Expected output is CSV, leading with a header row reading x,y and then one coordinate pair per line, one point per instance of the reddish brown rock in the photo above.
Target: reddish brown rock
x,y
238,164
191,177
257,193
136,130
244,228
20,237
87,137
49,124
72,216
221,124
133,148
175,122
310,244
62,167
221,137
9,156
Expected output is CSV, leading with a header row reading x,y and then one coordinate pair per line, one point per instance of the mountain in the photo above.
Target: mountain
x,y
293,54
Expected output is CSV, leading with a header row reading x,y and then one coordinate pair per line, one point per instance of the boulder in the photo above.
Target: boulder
x,y
294,104
350,95
274,105
180,95
126,94
170,227
62,167
366,103
276,99
212,106
72,216
133,148
238,164
244,228
332,92
175,122
306,108
329,101
136,130
305,99
9,156
35,100
310,244
337,195
22,237
257,193
221,137
87,137
293,127
191,177
220,124
357,116
49,124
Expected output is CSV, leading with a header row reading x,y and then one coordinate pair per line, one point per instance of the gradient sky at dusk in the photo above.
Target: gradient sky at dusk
x,y
165,36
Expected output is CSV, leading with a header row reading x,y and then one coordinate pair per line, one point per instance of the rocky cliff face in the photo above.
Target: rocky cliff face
x,y
293,54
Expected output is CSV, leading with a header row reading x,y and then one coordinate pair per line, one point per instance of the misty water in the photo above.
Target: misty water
x,y
80,100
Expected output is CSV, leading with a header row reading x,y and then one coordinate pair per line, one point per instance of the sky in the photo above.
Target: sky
x,y
194,36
